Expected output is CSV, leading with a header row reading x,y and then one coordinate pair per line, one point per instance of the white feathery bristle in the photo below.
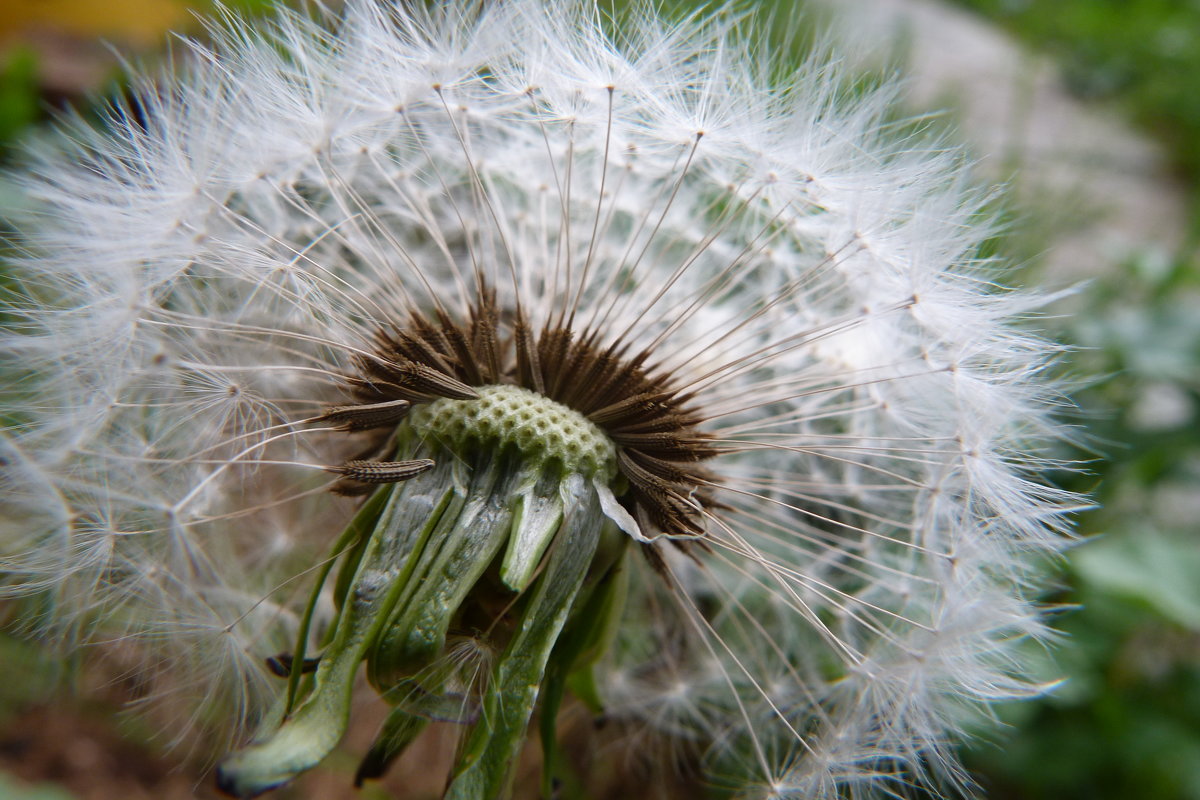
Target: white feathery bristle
x,y
197,274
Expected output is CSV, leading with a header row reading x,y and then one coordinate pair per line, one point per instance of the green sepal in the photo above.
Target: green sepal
x,y
537,515
444,574
606,607
314,728
484,770
585,638
360,528
352,542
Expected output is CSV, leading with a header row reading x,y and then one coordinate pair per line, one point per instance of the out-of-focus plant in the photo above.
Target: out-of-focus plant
x,y
18,92
1126,723
1143,55
53,54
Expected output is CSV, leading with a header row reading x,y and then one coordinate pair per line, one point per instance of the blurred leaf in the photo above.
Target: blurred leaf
x,y
1160,571
18,92
1141,54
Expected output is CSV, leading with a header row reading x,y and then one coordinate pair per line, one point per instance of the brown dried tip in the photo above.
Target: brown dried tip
x,y
281,665
367,416
382,471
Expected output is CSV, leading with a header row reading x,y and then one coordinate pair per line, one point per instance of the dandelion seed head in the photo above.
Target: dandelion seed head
x,y
808,400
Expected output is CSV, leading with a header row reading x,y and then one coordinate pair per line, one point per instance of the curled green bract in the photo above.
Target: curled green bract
x,y
468,591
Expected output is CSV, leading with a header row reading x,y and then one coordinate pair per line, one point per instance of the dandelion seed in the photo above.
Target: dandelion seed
x,y
515,352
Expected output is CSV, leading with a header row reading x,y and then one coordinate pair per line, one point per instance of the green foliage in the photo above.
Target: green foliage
x,y
1126,723
1142,54
18,92
21,70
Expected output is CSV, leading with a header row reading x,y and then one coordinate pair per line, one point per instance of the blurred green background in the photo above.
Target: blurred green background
x,y
1126,721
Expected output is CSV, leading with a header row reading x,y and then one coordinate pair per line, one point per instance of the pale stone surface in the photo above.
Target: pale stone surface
x,y
1104,189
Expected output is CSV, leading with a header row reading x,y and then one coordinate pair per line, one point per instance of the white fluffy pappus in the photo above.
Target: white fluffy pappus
x,y
197,277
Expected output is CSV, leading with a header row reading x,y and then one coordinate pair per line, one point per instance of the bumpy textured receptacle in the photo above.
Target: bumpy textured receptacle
x,y
505,539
